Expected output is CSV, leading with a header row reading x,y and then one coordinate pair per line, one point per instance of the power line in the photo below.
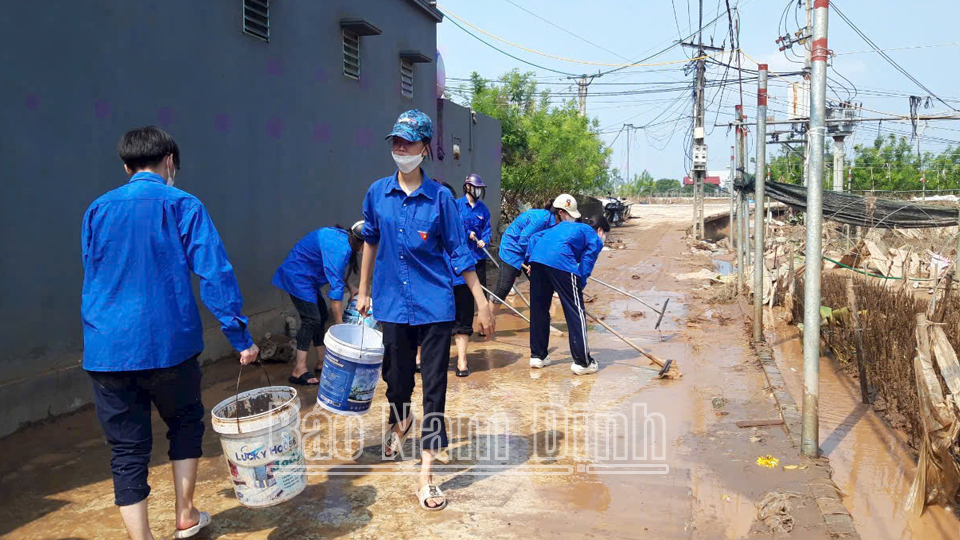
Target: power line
x,y
517,58
671,46
886,57
581,38
675,20
907,48
452,15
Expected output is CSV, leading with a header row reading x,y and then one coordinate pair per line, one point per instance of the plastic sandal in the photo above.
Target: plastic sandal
x,y
205,520
431,491
302,379
395,442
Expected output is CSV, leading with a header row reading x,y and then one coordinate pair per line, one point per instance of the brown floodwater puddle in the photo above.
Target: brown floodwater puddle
x,y
871,461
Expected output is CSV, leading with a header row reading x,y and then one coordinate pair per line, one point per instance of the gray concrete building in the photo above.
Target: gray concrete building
x,y
279,108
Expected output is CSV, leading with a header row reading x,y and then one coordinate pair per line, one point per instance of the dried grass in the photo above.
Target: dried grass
x,y
888,318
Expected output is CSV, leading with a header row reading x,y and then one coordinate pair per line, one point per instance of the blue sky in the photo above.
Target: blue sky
x,y
633,30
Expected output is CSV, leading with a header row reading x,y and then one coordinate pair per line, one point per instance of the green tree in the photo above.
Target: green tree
x,y
888,163
665,185
546,149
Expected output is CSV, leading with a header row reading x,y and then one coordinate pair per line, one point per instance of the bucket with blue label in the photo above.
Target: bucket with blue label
x,y
351,368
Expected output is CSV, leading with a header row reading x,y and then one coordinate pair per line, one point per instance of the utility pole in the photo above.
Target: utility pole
x,y
738,170
730,188
629,128
699,172
583,82
744,203
759,214
809,437
838,163
807,62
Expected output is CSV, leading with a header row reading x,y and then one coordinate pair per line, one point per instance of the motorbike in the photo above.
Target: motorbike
x,y
616,211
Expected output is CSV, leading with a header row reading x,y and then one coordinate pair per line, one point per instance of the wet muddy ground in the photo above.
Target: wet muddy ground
x,y
872,462
533,454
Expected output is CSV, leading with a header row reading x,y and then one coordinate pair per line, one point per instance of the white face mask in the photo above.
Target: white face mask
x,y
407,164
171,174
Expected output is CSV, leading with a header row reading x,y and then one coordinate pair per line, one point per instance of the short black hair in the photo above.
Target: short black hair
x,y
598,222
146,147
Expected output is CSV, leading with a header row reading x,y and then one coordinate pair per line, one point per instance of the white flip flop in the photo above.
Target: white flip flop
x,y
431,491
205,520
395,442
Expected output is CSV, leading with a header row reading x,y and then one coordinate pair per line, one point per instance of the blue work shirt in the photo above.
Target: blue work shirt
x,y
321,257
476,219
568,246
139,244
513,242
412,281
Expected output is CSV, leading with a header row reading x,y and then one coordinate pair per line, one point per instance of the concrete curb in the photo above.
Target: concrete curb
x,y
821,487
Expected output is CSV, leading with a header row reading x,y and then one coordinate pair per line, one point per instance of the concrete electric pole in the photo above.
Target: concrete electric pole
x,y
699,171
759,214
809,435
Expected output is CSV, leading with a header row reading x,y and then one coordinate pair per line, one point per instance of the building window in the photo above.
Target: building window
x,y
351,54
256,19
406,79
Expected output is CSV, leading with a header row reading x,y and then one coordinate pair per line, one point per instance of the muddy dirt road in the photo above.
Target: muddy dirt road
x,y
533,454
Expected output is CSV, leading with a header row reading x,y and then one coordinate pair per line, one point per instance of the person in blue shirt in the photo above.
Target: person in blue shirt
x,y
142,332
410,224
327,255
513,242
561,259
476,219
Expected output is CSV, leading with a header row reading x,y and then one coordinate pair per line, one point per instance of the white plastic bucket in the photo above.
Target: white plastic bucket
x,y
351,368
263,447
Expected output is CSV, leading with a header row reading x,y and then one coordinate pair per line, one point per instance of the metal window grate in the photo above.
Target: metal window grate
x,y
256,19
351,54
406,79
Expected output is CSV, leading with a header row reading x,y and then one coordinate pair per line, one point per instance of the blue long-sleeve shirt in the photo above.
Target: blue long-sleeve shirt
x,y
321,257
476,219
412,281
568,246
139,244
513,243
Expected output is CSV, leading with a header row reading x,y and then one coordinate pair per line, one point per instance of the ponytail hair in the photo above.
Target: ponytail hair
x,y
356,244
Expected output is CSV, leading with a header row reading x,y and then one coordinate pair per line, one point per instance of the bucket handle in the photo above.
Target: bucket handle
x,y
236,399
363,332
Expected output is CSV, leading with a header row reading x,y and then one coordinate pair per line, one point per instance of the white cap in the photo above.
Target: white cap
x,y
567,203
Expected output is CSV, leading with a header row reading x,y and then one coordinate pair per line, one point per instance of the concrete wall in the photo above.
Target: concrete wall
x,y
274,139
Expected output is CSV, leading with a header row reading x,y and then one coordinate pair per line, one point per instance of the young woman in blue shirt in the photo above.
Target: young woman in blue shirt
x,y
327,255
476,219
410,222
561,259
513,242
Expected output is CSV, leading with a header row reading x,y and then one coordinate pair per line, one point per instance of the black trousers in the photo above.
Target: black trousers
x,y
123,399
544,280
482,271
400,345
463,300
313,322
505,280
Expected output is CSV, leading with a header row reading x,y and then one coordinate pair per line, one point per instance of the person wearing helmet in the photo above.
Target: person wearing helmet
x,y
513,243
476,219
411,229
327,255
561,259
